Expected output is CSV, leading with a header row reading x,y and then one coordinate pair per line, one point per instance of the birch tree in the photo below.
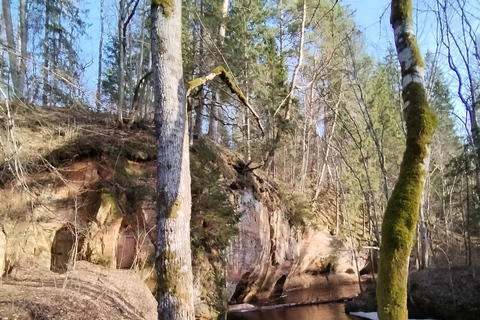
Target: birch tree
x,y
173,252
401,215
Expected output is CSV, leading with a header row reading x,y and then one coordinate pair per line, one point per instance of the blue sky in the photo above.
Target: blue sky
x,y
371,16
373,19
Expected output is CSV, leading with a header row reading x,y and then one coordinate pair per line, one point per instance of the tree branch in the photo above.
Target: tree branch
x,y
227,78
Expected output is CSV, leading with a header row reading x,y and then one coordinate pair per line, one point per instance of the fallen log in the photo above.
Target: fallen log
x,y
235,308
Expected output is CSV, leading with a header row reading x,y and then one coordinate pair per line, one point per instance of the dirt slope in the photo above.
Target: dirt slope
x,y
88,292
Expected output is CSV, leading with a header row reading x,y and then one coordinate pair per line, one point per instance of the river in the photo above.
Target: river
x,y
328,311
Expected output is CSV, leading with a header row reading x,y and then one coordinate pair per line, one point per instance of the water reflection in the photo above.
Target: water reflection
x,y
321,292
330,311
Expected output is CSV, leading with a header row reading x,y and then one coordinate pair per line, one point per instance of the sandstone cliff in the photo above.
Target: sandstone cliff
x,y
85,192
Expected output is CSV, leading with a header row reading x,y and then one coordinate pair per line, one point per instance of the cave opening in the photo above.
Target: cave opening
x,y
62,249
126,246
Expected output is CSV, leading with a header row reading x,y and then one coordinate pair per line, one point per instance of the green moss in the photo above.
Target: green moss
x,y
226,77
108,200
401,215
196,83
417,55
136,170
167,6
401,10
161,47
102,260
173,212
169,276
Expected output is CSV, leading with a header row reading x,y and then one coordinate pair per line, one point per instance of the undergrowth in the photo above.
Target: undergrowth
x,y
213,222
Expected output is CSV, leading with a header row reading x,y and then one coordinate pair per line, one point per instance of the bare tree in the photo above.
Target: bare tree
x,y
463,54
125,15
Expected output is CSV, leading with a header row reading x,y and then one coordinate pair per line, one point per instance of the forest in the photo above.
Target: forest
x,y
292,88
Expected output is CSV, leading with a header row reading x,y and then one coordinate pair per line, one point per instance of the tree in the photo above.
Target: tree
x,y
62,68
16,59
288,100
173,252
402,211
98,95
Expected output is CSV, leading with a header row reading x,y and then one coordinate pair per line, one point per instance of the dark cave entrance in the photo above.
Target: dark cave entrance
x,y
126,246
62,249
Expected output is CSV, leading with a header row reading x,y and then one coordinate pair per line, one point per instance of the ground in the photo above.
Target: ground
x,y
88,292
434,293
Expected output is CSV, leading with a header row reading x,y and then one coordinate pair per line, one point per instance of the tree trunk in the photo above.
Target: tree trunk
x,y
276,143
12,47
100,50
307,129
214,108
46,56
173,253
121,62
199,106
23,36
423,236
213,121
401,214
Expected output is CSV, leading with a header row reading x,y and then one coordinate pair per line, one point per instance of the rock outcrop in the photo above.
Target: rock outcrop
x,y
92,198
270,256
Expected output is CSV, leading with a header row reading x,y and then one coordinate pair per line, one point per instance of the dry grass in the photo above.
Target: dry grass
x,y
88,292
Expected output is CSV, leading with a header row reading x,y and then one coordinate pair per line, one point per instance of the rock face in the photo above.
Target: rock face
x,y
3,245
93,200
270,256
267,257
83,218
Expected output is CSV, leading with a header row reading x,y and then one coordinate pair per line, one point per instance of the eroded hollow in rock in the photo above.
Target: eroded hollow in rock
x,y
126,246
62,249
278,289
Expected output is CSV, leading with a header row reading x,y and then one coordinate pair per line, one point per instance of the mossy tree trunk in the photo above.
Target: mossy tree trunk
x,y
402,211
173,252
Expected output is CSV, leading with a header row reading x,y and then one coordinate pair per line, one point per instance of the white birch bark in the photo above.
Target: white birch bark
x,y
401,215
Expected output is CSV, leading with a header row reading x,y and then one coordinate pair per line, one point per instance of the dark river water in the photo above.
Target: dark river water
x,y
329,311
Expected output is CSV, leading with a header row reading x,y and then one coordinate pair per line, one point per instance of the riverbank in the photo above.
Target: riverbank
x,y
433,293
